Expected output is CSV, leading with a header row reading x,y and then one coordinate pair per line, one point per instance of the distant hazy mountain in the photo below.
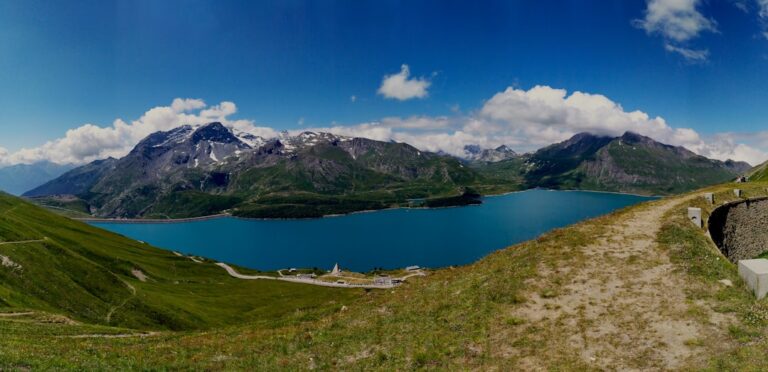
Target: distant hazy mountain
x,y
17,179
475,153
197,171
630,163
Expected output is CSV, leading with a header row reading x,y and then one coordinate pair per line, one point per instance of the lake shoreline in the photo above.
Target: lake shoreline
x,y
227,215
396,239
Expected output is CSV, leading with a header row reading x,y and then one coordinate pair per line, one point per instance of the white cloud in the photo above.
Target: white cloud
x,y
187,104
91,142
543,115
693,55
353,99
401,87
522,119
3,157
417,122
530,119
741,5
678,22
762,8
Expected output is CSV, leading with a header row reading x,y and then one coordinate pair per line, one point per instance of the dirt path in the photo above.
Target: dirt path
x,y
623,306
112,310
9,315
118,335
25,241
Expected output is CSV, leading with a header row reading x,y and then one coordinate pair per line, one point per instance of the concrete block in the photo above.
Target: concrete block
x,y
694,214
710,197
755,274
737,192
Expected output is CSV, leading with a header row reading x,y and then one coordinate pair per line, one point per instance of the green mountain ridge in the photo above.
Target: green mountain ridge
x,y
191,172
631,163
759,172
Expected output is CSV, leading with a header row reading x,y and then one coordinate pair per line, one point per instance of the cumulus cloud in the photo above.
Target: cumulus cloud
x,y
401,87
91,142
678,22
530,119
525,120
186,104
725,146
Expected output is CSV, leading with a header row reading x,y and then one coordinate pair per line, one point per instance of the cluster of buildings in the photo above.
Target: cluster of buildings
x,y
382,280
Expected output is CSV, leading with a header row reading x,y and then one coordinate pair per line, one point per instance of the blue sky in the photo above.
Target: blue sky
x,y
296,64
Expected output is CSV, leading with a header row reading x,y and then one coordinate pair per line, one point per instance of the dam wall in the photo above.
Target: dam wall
x,y
740,228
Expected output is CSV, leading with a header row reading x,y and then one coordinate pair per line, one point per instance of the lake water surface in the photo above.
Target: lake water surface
x,y
390,238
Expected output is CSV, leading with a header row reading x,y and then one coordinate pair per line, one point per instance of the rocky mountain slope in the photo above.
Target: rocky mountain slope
x,y
197,171
476,153
630,163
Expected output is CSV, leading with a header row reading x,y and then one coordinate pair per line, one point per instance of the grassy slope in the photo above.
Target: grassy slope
x,y
85,273
759,173
445,320
744,342
456,318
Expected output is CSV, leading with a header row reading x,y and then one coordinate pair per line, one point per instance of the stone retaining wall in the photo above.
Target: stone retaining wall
x,y
740,229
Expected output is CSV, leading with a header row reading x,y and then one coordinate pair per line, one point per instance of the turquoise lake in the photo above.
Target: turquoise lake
x,y
390,238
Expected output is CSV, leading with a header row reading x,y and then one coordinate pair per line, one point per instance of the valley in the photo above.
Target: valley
x,y
210,169
524,306
229,185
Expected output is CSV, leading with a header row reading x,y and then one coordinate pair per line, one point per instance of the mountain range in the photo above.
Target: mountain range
x,y
190,171
630,163
16,179
196,171
476,153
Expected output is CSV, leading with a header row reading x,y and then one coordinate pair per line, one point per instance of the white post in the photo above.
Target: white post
x,y
710,197
694,214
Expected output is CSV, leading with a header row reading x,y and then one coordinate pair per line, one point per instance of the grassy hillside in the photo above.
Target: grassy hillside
x,y
651,169
518,308
759,173
90,275
630,163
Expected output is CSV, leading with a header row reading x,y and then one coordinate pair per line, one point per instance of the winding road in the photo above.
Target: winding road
x,y
232,272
